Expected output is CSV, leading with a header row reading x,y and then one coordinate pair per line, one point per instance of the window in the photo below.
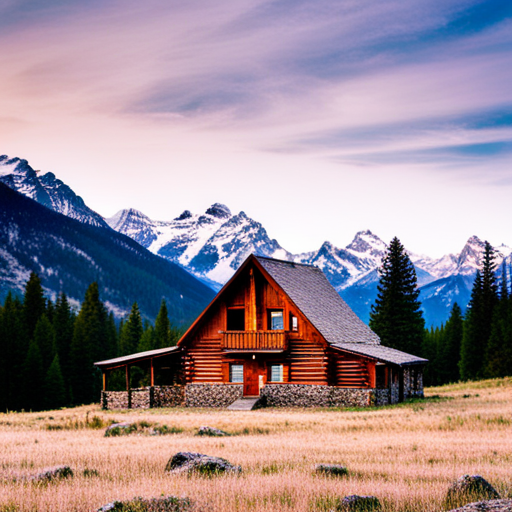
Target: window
x,y
380,376
275,320
236,319
294,323
236,373
276,373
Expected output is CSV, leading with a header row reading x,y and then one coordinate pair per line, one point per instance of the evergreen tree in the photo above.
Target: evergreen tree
x,y
44,336
429,350
14,347
132,332
450,351
33,379
478,324
63,323
396,316
90,343
34,303
162,327
112,337
147,341
498,358
54,386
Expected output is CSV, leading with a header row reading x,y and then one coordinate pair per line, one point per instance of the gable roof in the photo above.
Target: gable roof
x,y
312,293
381,353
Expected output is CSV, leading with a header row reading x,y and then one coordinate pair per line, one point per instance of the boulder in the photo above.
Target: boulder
x,y
331,470
117,429
52,474
212,432
487,506
355,503
469,489
186,462
161,504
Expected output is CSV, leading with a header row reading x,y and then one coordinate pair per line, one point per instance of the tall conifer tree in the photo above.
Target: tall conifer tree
x,y
162,327
396,315
90,342
479,317
132,332
34,303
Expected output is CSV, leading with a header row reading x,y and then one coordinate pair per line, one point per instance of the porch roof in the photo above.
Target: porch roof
x,y
134,358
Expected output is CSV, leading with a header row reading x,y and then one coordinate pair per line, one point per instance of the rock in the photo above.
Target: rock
x,y
355,503
487,506
117,429
210,431
51,474
468,489
331,469
161,504
186,462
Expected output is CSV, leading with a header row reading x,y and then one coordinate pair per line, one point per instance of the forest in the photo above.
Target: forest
x,y
48,349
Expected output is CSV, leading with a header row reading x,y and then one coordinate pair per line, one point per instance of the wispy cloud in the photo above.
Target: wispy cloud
x,y
357,83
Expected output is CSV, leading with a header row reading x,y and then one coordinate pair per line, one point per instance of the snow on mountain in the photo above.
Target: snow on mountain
x,y
47,190
211,245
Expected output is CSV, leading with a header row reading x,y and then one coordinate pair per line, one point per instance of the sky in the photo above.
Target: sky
x,y
317,118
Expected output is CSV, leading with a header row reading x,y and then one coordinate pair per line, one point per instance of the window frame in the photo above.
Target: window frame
x,y
281,371
231,366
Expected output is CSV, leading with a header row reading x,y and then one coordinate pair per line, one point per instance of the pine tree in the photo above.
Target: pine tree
x,y
429,351
44,336
54,386
132,332
162,327
14,347
33,379
498,361
479,317
90,343
147,341
34,303
63,322
396,316
450,350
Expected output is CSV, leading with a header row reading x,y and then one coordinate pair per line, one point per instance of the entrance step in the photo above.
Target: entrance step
x,y
243,404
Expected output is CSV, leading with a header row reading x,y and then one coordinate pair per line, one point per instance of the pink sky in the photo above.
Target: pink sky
x,y
317,119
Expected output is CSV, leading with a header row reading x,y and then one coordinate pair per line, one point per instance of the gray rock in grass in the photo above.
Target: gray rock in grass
x,y
187,462
161,504
487,506
331,470
469,489
355,503
212,432
52,474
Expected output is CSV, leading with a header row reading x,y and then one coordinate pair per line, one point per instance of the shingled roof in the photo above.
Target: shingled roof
x,y
381,353
312,293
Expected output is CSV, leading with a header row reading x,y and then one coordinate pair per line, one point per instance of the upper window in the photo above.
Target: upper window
x,y
276,321
235,319
294,323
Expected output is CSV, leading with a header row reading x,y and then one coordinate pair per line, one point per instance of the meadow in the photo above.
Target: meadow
x,y
407,455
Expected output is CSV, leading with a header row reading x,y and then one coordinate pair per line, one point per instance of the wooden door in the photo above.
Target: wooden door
x,y
251,376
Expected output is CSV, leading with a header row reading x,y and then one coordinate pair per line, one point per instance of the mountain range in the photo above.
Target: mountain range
x,y
213,244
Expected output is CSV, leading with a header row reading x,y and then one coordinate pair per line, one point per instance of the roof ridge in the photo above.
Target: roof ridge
x,y
293,263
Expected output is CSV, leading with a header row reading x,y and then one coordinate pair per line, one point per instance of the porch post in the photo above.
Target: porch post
x,y
152,369
127,378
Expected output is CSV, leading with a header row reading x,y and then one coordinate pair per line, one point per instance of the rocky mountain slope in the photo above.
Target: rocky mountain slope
x,y
212,245
68,255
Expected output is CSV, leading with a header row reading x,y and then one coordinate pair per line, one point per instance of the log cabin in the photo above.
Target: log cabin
x,y
277,331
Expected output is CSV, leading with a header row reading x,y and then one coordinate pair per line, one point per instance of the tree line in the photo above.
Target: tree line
x,y
48,349
473,346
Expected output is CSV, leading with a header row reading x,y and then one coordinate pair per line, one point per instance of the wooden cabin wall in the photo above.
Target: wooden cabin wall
x,y
350,371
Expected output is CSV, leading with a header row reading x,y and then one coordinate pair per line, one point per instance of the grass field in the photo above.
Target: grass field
x,y
406,455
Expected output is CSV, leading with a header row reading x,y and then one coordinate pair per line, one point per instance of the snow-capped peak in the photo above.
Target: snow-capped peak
x,y
221,211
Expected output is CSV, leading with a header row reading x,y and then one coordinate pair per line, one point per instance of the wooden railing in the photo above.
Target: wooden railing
x,y
254,340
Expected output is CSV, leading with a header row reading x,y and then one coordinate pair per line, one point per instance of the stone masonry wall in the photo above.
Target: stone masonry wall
x,y
381,396
115,399
311,395
141,398
168,396
212,395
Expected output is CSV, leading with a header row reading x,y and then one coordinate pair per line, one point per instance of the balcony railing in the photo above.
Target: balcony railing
x,y
254,340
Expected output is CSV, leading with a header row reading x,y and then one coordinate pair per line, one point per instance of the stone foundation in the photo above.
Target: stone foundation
x,y
382,396
141,398
115,399
312,395
212,395
168,396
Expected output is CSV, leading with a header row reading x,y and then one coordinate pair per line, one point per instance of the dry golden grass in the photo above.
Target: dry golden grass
x,y
406,455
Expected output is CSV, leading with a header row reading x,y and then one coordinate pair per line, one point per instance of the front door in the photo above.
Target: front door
x,y
251,378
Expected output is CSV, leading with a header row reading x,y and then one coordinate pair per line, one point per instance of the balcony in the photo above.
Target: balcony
x,y
254,341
